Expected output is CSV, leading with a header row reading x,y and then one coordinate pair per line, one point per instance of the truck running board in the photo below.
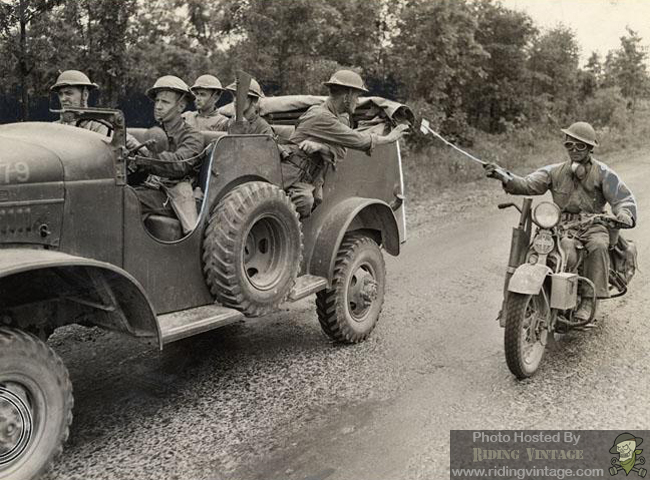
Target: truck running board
x,y
306,285
178,325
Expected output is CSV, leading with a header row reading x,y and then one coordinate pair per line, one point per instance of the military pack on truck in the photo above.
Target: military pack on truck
x,y
74,249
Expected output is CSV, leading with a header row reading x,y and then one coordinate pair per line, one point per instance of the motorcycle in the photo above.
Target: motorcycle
x,y
541,291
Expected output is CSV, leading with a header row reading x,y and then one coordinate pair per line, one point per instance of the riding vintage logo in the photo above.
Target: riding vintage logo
x,y
629,459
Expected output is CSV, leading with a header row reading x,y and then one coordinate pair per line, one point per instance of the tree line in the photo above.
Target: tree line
x,y
462,63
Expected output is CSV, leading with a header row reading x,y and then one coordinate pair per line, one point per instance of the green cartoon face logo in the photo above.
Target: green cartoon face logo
x,y
628,459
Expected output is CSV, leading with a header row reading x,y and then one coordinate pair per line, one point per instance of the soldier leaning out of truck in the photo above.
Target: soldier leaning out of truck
x,y
172,168
322,137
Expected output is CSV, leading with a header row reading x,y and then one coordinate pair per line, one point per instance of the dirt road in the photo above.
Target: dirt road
x,y
274,399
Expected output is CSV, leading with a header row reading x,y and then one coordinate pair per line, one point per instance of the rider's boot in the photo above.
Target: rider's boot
x,y
585,308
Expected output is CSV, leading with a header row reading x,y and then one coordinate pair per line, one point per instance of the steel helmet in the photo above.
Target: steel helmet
x,y
73,78
208,82
624,437
253,91
170,82
347,78
582,131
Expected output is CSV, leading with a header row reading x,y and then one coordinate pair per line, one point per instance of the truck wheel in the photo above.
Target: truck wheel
x,y
35,405
349,311
526,333
253,248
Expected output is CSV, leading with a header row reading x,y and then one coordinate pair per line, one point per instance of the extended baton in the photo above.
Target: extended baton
x,y
425,128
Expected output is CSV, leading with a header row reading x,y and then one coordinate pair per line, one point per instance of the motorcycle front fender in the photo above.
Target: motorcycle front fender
x,y
528,279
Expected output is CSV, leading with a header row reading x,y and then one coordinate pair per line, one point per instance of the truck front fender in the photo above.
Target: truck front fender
x,y
325,233
34,278
528,279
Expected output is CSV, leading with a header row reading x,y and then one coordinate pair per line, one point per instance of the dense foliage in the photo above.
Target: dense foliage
x,y
464,63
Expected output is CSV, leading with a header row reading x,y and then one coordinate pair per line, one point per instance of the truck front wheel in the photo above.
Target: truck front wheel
x,y
349,311
253,248
35,405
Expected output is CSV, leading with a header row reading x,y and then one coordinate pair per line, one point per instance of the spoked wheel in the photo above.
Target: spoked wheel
x,y
349,311
526,333
35,405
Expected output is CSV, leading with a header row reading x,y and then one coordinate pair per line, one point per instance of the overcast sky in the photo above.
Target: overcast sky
x,y
598,24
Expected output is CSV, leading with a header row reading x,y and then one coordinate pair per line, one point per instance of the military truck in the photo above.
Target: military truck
x,y
74,249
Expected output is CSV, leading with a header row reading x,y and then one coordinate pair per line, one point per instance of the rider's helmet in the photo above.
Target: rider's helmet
x,y
347,78
170,82
582,131
73,78
624,437
253,91
207,82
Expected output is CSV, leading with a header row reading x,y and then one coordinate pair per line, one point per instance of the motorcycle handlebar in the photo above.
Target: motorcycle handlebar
x,y
502,206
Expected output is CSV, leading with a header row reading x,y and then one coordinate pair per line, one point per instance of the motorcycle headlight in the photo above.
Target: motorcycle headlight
x,y
546,214
543,243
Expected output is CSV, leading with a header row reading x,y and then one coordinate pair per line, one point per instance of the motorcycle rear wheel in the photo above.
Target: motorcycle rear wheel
x,y
526,333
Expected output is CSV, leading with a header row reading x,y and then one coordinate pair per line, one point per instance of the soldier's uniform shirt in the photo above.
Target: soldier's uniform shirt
x,y
323,124
182,160
211,122
304,174
253,126
599,186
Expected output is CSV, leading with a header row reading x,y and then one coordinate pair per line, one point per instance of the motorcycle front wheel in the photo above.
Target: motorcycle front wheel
x,y
526,333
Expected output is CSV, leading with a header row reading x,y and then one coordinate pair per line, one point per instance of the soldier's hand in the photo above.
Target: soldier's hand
x,y
310,147
399,131
144,151
491,170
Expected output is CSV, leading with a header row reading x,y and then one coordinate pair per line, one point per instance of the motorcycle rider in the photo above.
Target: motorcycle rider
x,y
207,90
581,184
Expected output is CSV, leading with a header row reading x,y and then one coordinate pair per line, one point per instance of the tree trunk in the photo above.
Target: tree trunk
x,y
22,61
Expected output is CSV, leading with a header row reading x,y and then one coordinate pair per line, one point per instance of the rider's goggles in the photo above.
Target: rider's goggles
x,y
578,146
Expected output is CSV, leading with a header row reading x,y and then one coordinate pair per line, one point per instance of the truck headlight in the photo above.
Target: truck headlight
x,y
546,214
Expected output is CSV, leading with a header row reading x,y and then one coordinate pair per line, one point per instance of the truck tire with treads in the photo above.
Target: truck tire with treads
x,y
35,405
252,248
349,311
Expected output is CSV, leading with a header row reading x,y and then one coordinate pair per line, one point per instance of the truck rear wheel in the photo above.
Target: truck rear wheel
x,y
349,311
253,248
35,405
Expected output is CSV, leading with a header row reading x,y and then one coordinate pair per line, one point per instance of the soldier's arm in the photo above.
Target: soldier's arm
x,y
619,196
182,162
536,183
329,129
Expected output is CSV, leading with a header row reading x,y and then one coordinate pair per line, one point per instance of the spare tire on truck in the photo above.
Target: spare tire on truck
x,y
252,248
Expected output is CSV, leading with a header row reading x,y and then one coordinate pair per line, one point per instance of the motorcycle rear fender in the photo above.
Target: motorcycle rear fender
x,y
528,279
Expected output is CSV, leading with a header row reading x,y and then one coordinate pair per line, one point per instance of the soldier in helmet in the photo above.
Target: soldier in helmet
x,y
173,167
207,90
581,184
254,124
322,137
73,88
